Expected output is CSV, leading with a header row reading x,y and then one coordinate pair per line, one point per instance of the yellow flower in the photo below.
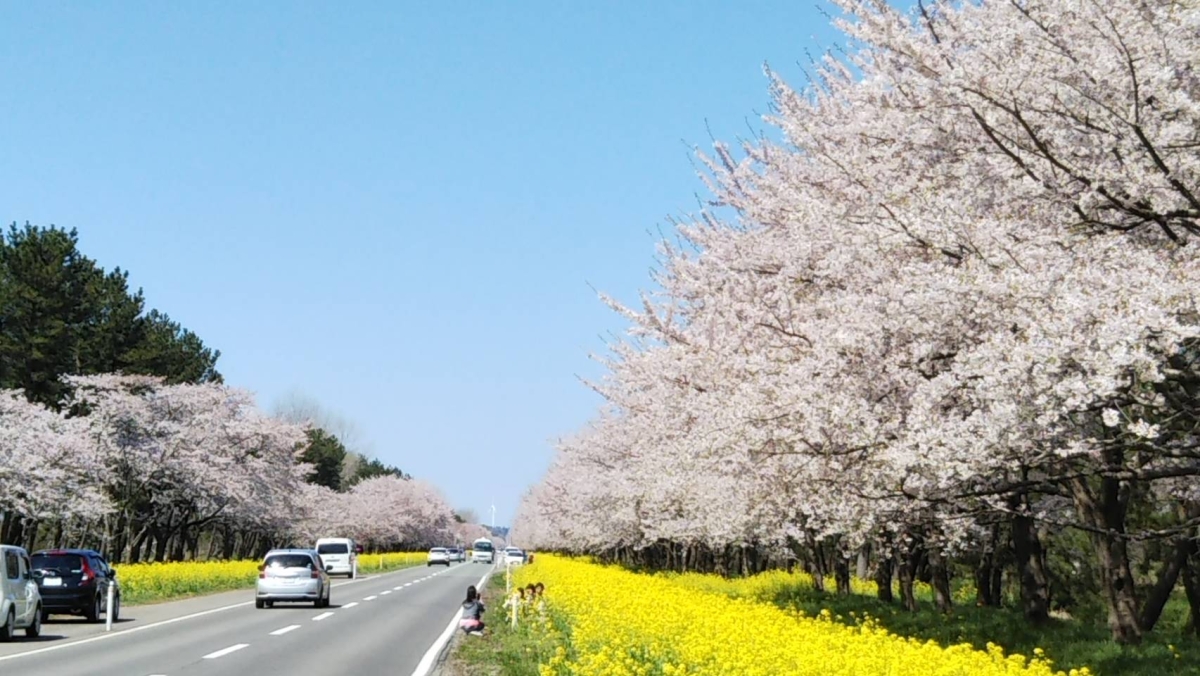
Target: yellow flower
x,y
622,623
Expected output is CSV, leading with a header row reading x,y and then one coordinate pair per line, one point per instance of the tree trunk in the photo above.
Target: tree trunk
x,y
1105,512
883,579
841,573
940,575
905,571
1191,587
1167,577
863,562
1030,563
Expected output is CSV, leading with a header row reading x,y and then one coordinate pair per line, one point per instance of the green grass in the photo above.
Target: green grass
x,y
1070,643
503,650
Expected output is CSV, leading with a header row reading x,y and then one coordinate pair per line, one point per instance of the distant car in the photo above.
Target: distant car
x,y
292,575
20,601
438,555
75,582
513,556
457,554
339,555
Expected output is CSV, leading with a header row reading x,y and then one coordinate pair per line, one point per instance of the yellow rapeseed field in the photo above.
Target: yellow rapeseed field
x,y
144,582
627,624
148,582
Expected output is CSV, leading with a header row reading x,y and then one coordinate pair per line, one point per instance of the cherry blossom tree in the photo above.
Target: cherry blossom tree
x,y
961,289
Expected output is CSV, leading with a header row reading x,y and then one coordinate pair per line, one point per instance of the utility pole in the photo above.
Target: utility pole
x,y
493,518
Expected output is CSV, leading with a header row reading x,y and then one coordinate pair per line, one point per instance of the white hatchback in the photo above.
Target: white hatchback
x,y
20,601
438,555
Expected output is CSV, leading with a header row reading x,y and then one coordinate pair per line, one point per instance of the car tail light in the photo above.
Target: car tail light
x,y
262,572
316,574
88,576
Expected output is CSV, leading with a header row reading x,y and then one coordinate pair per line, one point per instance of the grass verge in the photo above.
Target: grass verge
x,y
504,650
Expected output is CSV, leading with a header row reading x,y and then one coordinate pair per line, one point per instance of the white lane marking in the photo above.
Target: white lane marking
x,y
407,584
225,651
351,604
370,598
398,587
322,616
173,620
426,663
281,632
385,592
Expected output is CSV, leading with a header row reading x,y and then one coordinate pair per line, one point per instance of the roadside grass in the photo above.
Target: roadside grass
x,y
146,583
1070,643
504,650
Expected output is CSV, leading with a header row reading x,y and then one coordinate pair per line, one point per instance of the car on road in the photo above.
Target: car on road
x,y
513,556
339,555
20,601
457,555
75,582
482,551
292,575
439,556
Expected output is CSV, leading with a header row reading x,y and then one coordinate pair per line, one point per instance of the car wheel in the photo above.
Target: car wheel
x,y
93,613
10,625
116,609
270,604
45,616
35,630
260,604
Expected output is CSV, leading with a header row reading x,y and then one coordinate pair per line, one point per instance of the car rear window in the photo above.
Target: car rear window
x,y
60,564
333,548
437,550
289,561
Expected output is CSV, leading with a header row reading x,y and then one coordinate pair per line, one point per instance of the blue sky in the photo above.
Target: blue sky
x,y
394,208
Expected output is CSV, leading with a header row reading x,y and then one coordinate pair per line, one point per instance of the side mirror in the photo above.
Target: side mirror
x,y
329,568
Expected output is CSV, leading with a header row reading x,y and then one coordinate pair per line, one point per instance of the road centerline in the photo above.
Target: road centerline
x,y
225,651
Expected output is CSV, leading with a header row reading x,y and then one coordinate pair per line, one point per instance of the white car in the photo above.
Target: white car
x,y
438,555
20,601
513,556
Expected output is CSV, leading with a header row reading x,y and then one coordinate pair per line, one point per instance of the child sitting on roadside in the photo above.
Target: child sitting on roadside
x,y
471,621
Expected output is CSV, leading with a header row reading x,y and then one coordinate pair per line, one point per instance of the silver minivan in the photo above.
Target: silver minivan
x,y
292,575
20,601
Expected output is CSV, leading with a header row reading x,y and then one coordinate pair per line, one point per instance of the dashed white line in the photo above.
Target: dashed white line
x,y
225,651
385,592
281,632
398,587
322,616
351,604
370,598
407,584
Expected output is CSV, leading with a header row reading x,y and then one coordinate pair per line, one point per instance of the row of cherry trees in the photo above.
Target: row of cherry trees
x,y
146,470
954,310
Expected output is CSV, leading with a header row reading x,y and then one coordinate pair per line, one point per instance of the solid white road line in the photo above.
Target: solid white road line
x,y
132,630
370,598
281,632
225,651
426,663
351,604
322,616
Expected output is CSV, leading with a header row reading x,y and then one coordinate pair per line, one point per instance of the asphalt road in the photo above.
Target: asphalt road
x,y
381,624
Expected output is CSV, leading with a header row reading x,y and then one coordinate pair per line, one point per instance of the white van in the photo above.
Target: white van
x,y
339,556
20,602
482,551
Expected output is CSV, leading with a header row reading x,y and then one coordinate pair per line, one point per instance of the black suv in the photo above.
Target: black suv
x,y
75,582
